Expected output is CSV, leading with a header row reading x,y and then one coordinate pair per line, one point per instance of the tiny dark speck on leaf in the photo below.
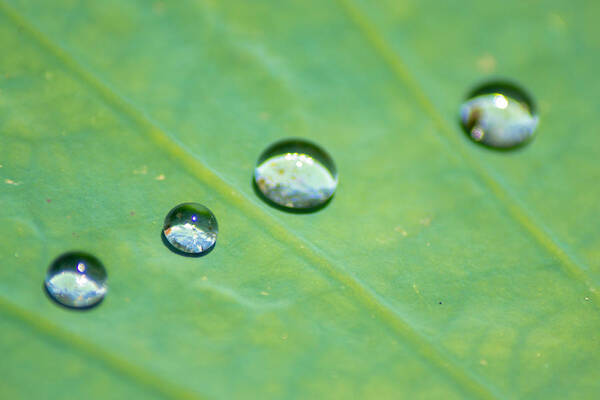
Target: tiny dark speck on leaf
x,y
132,213
440,302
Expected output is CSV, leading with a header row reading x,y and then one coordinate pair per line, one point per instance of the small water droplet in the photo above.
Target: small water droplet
x,y
76,280
191,228
296,174
499,115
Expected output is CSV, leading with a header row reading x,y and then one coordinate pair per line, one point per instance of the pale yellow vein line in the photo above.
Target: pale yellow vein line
x,y
513,206
194,166
142,377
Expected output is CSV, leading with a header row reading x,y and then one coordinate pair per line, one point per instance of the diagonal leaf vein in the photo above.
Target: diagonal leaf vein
x,y
514,207
444,362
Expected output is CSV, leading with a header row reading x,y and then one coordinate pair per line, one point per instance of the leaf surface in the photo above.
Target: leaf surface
x,y
441,269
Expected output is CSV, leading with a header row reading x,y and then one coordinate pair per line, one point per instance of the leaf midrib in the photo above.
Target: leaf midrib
x,y
444,362
299,243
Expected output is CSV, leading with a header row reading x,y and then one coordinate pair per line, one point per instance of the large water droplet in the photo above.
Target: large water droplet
x,y
499,115
76,280
191,228
296,174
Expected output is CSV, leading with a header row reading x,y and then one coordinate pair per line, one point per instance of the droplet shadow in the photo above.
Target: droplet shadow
x,y
505,87
290,210
183,253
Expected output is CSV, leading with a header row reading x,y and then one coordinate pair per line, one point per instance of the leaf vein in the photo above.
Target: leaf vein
x,y
197,167
141,376
514,207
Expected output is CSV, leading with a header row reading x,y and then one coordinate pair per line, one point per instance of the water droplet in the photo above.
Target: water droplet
x,y
191,228
499,115
296,174
76,280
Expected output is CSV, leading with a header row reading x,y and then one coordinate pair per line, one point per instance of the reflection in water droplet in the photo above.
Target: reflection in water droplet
x,y
191,228
499,115
76,280
296,174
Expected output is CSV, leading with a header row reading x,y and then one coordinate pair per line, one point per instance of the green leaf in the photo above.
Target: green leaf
x,y
441,269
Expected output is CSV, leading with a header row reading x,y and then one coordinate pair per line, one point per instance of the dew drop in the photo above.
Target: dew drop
x,y
191,228
499,115
296,174
76,280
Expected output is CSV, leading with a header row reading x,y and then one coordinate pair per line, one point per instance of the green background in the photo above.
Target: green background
x,y
441,269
